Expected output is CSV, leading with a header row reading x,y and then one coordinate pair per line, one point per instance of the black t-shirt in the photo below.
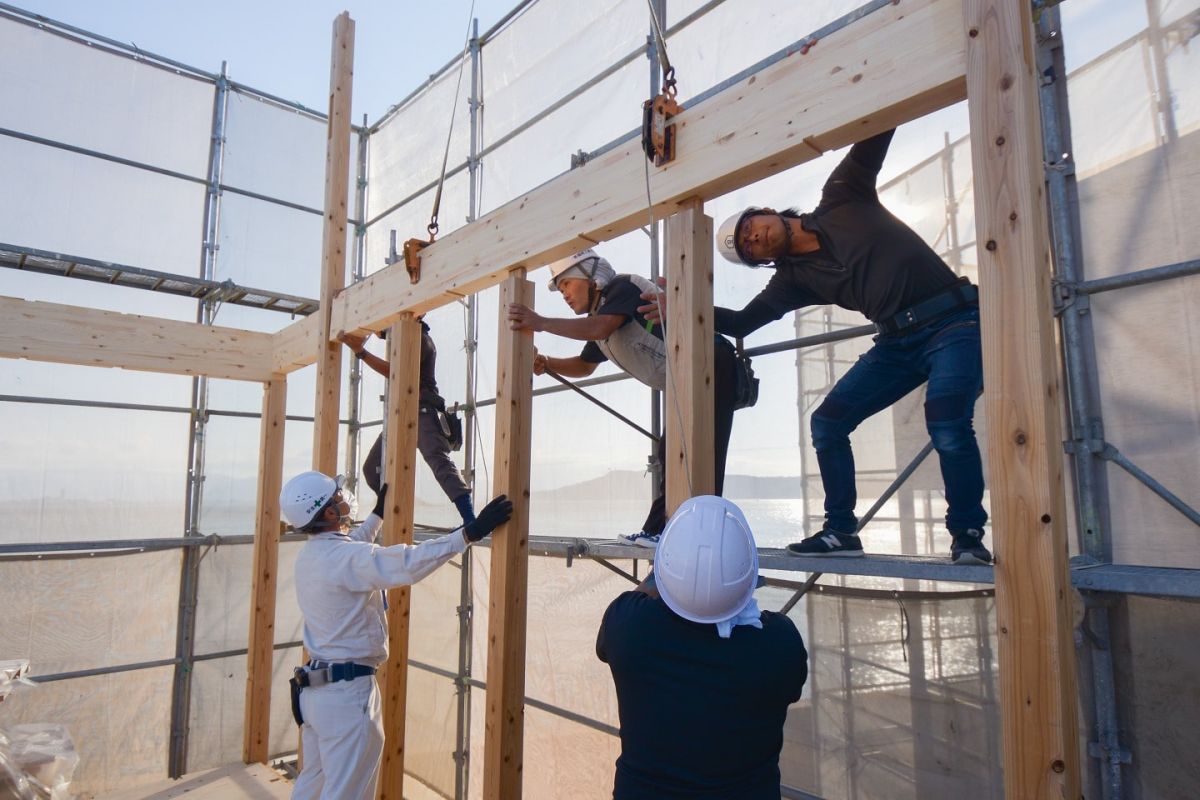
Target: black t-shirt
x,y
869,261
429,389
701,716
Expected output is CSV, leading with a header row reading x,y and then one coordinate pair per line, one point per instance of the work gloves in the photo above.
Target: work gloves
x,y
493,515
379,501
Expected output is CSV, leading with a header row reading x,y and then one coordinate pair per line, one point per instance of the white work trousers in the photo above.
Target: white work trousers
x,y
342,738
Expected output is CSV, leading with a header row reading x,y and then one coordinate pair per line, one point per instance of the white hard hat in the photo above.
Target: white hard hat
x,y
706,564
306,494
584,264
727,237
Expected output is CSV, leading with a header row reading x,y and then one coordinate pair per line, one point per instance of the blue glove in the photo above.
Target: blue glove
x,y
493,515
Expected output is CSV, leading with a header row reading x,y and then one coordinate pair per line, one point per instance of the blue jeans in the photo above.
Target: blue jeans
x,y
946,353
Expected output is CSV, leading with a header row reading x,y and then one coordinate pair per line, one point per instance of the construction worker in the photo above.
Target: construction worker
x,y
614,329
703,679
435,428
340,581
850,251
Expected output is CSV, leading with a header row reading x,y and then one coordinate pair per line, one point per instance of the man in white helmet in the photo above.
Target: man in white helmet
x,y
341,576
703,678
608,320
852,252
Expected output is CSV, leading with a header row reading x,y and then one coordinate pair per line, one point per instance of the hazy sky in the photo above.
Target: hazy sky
x,y
283,47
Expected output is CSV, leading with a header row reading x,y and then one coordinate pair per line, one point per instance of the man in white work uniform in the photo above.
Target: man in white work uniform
x,y
341,576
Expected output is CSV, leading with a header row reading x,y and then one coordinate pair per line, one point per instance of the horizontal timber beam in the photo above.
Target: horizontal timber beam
x,y
296,345
65,334
847,87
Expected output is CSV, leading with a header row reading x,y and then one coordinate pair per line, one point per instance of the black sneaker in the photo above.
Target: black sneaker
x,y
828,543
967,547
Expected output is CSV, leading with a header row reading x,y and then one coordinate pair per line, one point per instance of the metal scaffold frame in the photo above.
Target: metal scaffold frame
x,y
1103,585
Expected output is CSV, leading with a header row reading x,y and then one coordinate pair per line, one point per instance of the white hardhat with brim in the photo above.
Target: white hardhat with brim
x,y
305,495
706,564
727,243
585,264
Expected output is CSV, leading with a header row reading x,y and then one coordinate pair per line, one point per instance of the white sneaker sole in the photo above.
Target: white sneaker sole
x,y
966,559
834,554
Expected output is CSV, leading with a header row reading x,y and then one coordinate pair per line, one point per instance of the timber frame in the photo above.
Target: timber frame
x,y
858,82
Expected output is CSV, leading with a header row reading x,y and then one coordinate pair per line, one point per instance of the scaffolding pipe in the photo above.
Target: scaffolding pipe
x,y
357,273
1117,457
1140,278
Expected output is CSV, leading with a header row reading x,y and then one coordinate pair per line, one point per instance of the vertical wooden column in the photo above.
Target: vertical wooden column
x,y
505,717
404,401
689,338
260,657
333,245
1036,654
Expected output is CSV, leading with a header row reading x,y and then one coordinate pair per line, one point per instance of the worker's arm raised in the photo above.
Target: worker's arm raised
x,y
584,329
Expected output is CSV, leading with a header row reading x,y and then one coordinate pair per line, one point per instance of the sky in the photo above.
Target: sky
x,y
283,47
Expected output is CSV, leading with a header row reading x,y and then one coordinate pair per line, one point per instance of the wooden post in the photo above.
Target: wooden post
x,y
505,720
333,245
404,400
1033,614
260,657
690,375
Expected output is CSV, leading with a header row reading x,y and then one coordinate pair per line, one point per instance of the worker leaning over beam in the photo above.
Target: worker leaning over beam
x,y
341,576
615,330
851,252
437,432
703,679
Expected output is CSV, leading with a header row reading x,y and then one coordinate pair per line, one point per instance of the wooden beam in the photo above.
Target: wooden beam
x,y
853,84
1029,520
504,725
297,345
691,372
260,657
333,245
404,401
66,334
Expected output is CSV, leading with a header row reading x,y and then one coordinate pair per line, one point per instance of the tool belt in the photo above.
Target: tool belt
x,y
319,673
450,424
952,298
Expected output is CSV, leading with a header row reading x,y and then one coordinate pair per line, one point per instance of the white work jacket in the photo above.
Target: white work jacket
x,y
338,581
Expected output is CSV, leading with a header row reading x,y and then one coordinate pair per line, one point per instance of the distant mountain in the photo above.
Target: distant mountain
x,y
635,484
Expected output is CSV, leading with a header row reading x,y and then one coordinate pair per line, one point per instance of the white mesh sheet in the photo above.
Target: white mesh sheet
x,y
407,151
74,614
901,701
741,34
409,221
276,151
120,725
552,49
82,206
86,97
271,247
77,474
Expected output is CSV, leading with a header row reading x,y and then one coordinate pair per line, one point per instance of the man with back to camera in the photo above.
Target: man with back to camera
x,y
703,678
341,577
615,329
850,251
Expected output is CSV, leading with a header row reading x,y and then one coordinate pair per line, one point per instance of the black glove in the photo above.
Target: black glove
x,y
493,515
380,501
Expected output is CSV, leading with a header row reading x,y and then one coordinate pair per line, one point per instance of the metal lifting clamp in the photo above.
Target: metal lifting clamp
x,y
412,253
658,132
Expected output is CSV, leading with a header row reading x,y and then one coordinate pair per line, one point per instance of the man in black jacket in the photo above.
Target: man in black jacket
x,y
850,251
